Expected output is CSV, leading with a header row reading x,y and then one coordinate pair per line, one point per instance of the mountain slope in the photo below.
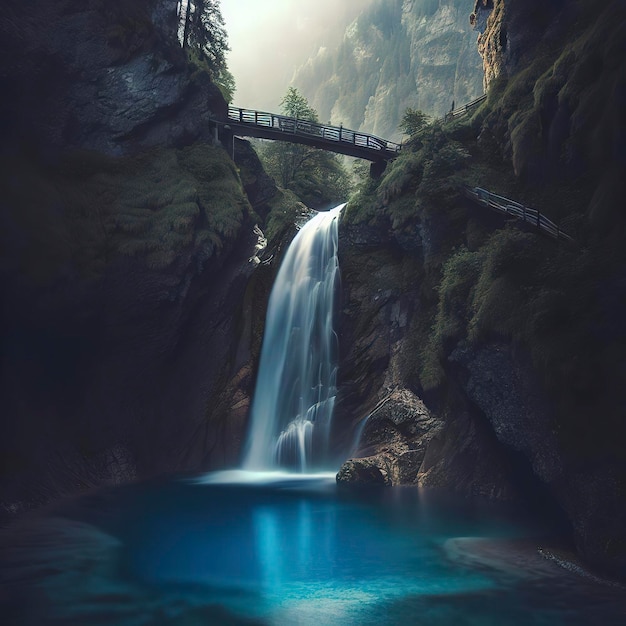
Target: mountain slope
x,y
396,54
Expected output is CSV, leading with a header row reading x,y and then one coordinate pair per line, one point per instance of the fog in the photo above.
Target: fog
x,y
270,39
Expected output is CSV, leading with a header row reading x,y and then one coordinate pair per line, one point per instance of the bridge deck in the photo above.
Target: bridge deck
x,y
250,123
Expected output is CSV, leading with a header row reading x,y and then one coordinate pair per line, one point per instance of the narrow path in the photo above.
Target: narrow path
x,y
515,209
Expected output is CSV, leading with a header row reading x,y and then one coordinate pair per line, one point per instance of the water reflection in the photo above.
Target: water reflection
x,y
291,552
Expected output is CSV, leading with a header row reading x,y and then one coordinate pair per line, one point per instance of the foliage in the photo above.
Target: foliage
x,y
318,177
226,83
159,207
201,29
294,104
285,211
413,121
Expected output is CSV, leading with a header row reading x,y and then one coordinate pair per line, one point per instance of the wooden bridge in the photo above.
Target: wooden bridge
x,y
250,123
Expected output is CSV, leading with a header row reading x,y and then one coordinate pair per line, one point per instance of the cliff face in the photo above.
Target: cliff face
x,y
125,236
514,344
508,32
398,54
558,69
100,76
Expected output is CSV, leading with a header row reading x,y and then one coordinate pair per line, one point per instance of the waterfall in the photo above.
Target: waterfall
x,y
296,385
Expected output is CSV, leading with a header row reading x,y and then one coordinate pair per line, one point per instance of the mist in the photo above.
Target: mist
x,y
270,39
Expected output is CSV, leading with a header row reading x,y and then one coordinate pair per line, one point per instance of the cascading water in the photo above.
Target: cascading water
x,y
296,386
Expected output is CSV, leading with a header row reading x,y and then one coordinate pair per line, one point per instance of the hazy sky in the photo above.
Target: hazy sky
x,y
271,38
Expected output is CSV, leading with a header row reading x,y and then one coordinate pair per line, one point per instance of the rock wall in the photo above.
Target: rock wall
x,y
100,76
393,437
397,54
528,365
130,312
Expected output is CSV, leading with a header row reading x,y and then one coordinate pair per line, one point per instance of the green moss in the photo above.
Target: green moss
x,y
154,207
285,211
363,206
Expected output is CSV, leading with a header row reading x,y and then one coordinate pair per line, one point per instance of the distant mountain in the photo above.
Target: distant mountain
x,y
396,54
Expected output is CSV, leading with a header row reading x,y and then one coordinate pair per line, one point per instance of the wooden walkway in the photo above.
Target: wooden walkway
x,y
250,123
466,109
519,211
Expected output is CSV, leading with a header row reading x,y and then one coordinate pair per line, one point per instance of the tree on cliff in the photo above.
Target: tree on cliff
x,y
316,176
201,31
413,121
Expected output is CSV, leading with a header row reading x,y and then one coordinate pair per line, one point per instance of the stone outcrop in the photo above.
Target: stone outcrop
x,y
509,30
511,397
98,77
392,442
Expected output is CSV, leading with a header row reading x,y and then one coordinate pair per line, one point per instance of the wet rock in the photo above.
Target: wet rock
x,y
394,439
362,472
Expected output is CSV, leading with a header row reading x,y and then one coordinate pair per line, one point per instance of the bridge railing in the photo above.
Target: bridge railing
x,y
307,128
524,213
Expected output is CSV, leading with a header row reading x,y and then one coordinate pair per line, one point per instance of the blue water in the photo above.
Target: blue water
x,y
288,550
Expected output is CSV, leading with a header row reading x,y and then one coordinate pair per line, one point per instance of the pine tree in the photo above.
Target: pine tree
x,y
316,176
201,31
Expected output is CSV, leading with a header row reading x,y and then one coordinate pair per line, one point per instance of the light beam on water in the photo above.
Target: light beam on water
x,y
296,385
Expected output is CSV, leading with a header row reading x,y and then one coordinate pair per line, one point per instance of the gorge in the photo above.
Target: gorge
x,y
482,363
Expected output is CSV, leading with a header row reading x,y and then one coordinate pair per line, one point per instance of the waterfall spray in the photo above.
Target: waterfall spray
x,y
296,385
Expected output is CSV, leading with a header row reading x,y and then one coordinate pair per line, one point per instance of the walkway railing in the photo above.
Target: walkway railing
x,y
466,109
324,133
517,210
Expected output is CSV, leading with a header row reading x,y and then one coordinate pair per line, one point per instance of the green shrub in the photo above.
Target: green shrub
x,y
460,274
285,211
154,206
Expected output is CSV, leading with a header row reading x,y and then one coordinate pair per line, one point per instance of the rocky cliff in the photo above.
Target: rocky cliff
x,y
399,54
129,325
514,344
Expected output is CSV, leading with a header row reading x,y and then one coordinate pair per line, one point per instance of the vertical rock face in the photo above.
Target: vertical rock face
x,y
397,54
125,236
528,389
508,30
491,39
443,57
391,436
101,77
